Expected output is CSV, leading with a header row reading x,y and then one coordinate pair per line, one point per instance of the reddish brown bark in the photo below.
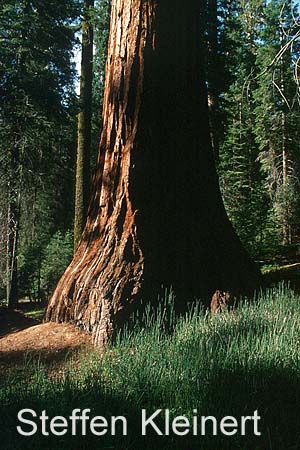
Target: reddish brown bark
x,y
156,217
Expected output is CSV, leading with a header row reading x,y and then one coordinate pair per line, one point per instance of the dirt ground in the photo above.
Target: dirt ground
x,y
24,338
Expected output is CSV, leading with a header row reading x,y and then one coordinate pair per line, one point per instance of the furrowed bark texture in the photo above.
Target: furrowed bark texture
x,y
156,217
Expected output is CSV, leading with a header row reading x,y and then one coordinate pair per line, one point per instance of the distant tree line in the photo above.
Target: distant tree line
x,y
257,91
38,133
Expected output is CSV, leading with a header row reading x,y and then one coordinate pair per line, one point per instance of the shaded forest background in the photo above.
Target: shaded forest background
x,y
251,53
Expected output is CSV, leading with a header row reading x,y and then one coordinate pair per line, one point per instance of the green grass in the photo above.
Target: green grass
x,y
231,364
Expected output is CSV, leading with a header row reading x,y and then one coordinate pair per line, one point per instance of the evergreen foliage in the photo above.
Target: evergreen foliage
x,y
36,136
56,257
259,152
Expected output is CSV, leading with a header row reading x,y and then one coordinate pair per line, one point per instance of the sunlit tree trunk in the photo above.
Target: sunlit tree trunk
x,y
82,188
156,217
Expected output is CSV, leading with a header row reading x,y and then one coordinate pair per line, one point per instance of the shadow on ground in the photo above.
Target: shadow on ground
x,y
276,396
14,320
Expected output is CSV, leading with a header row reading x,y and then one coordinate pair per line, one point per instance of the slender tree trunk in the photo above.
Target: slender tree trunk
x,y
285,205
12,247
284,151
82,188
156,217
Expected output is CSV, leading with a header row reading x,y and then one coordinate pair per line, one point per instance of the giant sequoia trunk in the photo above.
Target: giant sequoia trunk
x,y
156,217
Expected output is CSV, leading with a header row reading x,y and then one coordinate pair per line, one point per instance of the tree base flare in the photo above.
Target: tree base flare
x,y
156,217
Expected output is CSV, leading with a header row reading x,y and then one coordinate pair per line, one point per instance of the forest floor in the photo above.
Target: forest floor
x,y
282,270
230,364
24,338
